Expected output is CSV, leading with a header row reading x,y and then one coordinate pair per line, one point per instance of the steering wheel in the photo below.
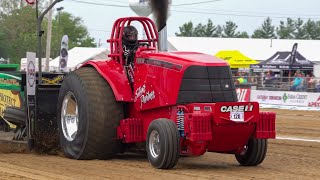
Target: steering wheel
x,y
140,44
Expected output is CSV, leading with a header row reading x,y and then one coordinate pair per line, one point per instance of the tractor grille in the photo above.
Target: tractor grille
x,y
203,84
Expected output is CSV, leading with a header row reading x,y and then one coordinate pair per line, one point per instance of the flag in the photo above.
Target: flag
x,y
293,53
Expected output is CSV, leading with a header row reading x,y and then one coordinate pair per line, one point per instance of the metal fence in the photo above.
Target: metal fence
x,y
303,84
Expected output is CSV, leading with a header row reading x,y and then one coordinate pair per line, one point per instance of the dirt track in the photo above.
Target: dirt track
x,y
286,159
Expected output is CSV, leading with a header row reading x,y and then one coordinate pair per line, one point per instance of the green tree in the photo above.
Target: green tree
x,y
73,27
186,30
266,31
229,30
2,44
8,6
201,30
312,29
208,30
18,32
218,32
286,30
300,32
243,35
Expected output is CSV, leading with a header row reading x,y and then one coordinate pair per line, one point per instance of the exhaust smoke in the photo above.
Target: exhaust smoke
x,y
160,10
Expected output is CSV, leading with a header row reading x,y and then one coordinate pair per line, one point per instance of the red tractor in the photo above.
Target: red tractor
x,y
179,103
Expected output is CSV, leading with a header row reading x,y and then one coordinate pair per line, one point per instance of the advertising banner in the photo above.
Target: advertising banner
x,y
243,94
63,61
314,100
31,73
286,98
9,98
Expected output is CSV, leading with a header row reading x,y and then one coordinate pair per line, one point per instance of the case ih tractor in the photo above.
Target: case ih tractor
x,y
178,103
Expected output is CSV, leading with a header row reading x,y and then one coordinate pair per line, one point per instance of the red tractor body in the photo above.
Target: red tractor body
x,y
194,91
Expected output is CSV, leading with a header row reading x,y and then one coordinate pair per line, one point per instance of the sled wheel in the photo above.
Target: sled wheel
x,y
253,153
88,116
163,144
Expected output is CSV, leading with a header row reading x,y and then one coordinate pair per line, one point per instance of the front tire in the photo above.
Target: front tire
x,y
163,144
254,152
88,116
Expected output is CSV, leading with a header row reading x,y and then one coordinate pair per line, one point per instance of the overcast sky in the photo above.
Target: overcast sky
x,y
247,14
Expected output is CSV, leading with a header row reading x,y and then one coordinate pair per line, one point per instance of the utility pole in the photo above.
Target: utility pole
x,y
49,32
99,43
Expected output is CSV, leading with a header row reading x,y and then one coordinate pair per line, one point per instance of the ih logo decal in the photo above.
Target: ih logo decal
x,y
285,97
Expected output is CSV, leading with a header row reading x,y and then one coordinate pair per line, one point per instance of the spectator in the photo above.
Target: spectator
x,y
297,83
269,75
312,81
235,78
269,79
245,78
241,80
318,85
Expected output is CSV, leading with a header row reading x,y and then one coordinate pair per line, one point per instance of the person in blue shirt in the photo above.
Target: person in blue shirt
x,y
297,83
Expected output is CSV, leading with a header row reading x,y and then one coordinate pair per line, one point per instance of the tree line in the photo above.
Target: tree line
x,y
18,31
289,29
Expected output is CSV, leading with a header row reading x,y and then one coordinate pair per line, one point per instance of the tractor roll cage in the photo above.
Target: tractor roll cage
x,y
116,51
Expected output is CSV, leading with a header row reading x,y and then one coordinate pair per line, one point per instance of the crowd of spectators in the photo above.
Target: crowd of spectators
x,y
244,78
299,81
302,82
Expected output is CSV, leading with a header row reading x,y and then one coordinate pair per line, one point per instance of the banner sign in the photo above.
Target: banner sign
x,y
31,91
31,73
9,98
286,98
243,94
314,100
63,61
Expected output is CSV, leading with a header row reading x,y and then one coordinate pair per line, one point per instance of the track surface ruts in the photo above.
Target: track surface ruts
x,y
285,160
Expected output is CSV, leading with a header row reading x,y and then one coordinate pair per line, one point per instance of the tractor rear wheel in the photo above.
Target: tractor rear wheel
x,y
88,116
163,144
253,153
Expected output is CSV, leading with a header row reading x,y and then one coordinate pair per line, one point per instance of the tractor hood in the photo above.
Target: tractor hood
x,y
170,78
183,58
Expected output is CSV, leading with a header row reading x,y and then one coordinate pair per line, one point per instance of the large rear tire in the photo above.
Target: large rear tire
x,y
163,144
88,116
254,153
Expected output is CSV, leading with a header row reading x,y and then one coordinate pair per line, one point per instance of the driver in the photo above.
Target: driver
x,y
129,42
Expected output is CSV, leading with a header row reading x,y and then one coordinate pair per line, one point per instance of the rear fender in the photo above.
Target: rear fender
x,y
266,126
115,75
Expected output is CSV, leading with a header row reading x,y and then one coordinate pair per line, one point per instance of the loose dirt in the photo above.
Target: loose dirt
x,y
285,159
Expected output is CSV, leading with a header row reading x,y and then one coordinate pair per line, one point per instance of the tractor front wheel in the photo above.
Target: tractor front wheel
x,y
88,116
254,152
163,144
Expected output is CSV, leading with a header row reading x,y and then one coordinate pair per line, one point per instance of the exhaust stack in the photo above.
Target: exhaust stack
x,y
163,39
160,10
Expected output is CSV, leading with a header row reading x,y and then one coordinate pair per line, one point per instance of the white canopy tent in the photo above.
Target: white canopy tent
x,y
79,55
259,49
